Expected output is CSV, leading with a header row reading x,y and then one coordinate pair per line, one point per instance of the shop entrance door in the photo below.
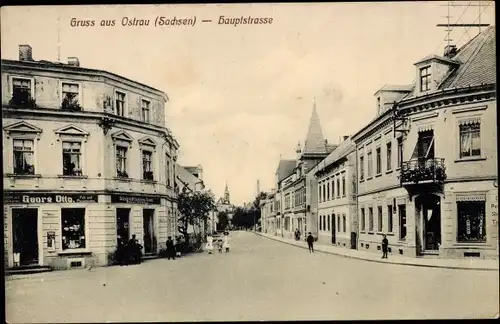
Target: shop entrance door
x,y
25,236
149,232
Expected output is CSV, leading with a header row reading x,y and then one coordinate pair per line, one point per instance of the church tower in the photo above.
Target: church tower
x,y
226,195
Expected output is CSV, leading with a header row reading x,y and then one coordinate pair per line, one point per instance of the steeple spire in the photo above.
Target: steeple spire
x,y
315,142
226,195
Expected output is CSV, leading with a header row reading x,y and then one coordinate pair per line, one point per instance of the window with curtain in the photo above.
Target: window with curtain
x,y
23,156
72,152
120,103
121,162
70,96
470,139
147,168
21,91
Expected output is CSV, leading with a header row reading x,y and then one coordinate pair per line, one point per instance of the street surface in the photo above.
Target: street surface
x,y
260,279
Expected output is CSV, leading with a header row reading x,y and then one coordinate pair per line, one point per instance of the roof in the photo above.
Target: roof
x,y
478,62
392,87
73,68
331,147
192,169
341,151
285,168
187,178
315,142
436,57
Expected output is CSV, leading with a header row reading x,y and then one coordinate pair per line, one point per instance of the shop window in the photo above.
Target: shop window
x,y
73,228
23,156
72,158
471,221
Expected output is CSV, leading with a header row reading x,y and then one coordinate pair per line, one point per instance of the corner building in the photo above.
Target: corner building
x,y
88,161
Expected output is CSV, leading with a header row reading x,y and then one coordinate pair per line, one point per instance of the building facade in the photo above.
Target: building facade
x,y
439,198
336,189
88,161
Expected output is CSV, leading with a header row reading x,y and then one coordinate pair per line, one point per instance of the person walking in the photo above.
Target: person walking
x,y
210,245
310,243
385,245
225,241
170,248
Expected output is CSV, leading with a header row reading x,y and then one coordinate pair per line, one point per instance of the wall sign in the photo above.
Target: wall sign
x,y
142,200
47,198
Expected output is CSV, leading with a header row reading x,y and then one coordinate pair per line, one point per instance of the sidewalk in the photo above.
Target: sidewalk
x,y
462,264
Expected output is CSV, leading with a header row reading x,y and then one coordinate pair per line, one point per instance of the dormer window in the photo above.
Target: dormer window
x,y
378,103
425,78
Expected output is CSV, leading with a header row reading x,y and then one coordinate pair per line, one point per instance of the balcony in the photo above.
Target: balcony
x,y
423,171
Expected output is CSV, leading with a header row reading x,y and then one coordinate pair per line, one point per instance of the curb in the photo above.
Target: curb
x,y
384,262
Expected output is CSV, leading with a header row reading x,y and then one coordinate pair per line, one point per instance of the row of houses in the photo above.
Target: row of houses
x,y
88,161
423,171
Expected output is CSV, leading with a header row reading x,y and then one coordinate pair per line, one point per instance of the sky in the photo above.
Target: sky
x,y
241,97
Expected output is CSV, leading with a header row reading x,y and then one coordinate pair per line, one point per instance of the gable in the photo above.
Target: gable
x,y
22,127
147,141
122,135
71,130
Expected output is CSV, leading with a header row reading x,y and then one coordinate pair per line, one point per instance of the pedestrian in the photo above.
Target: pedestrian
x,y
219,245
310,242
170,248
385,245
225,241
210,246
178,247
134,250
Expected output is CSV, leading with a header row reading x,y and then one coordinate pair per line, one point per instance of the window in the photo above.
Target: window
x,y
471,221
470,140
328,191
343,185
21,91
389,156
121,162
329,225
370,164
380,220
147,168
425,78
333,188
70,96
378,104
361,168
324,222
363,224
400,151
73,228
370,219
402,222
23,156
344,225
145,111
168,171
72,158
120,103
320,222
324,191
379,160
389,218
338,224
338,187
319,192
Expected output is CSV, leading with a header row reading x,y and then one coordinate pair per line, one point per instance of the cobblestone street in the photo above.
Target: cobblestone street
x,y
260,279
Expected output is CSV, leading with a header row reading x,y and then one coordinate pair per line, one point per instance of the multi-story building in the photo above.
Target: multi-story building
x,y
336,190
284,170
268,214
189,179
428,163
88,161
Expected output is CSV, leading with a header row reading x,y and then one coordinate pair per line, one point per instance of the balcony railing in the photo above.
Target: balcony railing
x,y
423,170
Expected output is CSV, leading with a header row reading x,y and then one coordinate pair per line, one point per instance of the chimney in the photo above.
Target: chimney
x,y
25,53
345,137
450,51
73,61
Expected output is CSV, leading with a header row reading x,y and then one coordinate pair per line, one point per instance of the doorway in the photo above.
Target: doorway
x,y
25,236
122,225
429,208
149,231
334,230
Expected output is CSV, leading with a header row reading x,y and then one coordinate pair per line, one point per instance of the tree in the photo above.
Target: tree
x,y
223,220
240,218
194,209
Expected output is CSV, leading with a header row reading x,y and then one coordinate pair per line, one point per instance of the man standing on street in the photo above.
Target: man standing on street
x,y
170,248
310,242
385,244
